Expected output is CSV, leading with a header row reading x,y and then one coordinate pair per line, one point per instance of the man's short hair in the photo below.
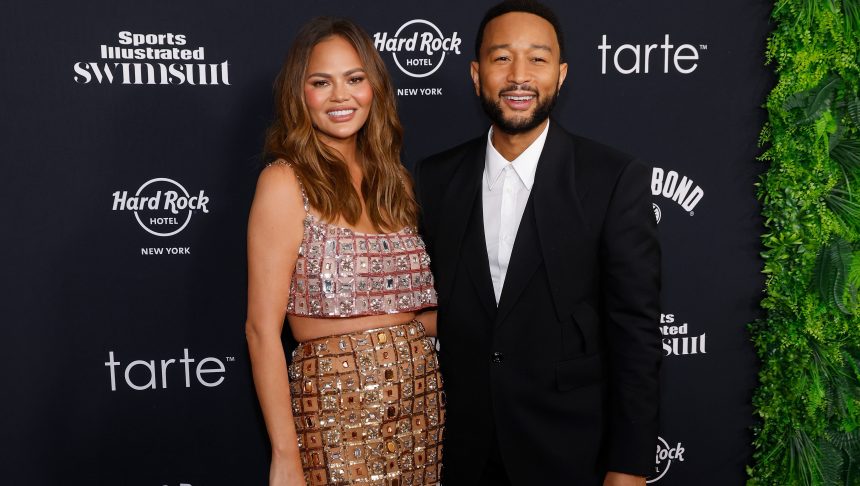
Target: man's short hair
x,y
525,6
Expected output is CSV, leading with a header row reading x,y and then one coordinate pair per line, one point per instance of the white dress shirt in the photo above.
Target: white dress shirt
x,y
504,193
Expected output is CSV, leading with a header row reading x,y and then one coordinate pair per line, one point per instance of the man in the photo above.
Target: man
x,y
547,266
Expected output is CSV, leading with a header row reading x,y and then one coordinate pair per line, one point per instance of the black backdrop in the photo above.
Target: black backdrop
x,y
95,304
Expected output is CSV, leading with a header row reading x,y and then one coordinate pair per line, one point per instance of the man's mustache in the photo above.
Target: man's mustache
x,y
518,87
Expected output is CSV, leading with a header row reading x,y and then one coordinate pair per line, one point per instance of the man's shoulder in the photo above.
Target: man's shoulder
x,y
588,150
596,164
596,158
453,155
588,147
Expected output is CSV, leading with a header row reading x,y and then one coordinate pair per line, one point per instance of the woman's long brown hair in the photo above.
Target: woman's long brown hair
x,y
386,186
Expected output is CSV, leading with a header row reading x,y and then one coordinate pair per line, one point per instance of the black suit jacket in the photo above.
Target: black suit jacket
x,y
565,370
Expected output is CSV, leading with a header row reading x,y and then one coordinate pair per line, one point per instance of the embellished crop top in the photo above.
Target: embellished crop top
x,y
343,273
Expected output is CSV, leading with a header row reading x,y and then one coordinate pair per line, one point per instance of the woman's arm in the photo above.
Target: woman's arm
x,y
275,228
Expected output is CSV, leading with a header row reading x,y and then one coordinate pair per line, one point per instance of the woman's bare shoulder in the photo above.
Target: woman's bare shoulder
x,y
279,189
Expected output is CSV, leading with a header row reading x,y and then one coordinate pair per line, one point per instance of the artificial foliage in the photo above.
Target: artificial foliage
x,y
808,398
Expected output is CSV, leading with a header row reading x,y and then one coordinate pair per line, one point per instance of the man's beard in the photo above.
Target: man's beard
x,y
493,109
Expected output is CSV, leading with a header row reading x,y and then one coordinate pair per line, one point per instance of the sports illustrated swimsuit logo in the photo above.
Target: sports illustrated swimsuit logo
x,y
174,63
665,456
641,58
679,189
676,338
146,375
421,45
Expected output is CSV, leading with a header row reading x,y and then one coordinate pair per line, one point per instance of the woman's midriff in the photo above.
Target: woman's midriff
x,y
308,328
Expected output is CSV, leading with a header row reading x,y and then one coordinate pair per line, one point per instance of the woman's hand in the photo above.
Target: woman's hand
x,y
428,320
285,472
621,479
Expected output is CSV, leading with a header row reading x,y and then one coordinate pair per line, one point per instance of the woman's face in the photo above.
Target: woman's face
x,y
337,92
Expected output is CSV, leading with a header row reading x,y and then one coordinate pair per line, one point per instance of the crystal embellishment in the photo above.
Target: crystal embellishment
x,y
341,273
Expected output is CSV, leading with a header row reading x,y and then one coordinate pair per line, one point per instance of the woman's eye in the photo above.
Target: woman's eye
x,y
319,83
356,79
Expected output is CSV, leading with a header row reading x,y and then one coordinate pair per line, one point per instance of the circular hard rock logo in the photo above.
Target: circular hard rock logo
x,y
161,206
663,460
418,47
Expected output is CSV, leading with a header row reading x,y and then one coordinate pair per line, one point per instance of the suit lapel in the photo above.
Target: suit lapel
x,y
525,259
550,229
476,259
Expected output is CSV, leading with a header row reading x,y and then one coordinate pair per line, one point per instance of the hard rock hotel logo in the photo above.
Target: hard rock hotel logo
x,y
418,48
666,455
152,59
162,207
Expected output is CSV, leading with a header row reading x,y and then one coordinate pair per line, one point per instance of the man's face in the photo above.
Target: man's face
x,y
518,73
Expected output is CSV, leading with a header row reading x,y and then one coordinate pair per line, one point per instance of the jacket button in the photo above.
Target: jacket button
x,y
497,357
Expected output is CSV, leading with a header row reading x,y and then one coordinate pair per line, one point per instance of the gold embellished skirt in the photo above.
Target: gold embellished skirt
x,y
369,407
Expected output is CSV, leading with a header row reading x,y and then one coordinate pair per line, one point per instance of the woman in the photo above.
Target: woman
x,y
332,243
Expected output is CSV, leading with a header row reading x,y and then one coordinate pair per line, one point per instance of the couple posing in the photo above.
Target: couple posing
x,y
543,249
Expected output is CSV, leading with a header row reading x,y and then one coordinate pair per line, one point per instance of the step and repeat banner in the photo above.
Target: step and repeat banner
x,y
131,136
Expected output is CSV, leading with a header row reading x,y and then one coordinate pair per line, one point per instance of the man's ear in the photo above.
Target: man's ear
x,y
476,80
562,73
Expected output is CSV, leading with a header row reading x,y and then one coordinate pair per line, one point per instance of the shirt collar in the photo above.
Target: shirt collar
x,y
524,166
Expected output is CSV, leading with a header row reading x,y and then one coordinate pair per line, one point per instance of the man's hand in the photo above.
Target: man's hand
x,y
621,479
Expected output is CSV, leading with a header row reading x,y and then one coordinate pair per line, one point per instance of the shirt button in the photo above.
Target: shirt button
x,y
497,357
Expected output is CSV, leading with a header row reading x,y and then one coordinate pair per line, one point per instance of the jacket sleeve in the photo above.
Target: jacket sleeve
x,y
630,291
421,194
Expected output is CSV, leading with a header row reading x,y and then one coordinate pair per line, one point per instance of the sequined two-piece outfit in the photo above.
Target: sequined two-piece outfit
x,y
368,406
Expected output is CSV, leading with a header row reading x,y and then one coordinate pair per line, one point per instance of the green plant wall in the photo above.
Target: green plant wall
x,y
808,399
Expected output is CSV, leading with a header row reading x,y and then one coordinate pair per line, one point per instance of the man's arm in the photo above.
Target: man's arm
x,y
416,191
420,197
630,288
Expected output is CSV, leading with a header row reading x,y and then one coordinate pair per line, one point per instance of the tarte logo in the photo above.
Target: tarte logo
x,y
642,58
143,374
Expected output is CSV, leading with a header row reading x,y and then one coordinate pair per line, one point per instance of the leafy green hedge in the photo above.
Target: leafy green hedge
x,y
808,399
